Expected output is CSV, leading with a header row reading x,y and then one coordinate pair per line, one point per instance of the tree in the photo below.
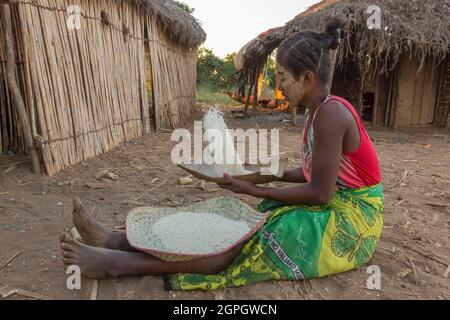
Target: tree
x,y
209,67
215,73
271,72
228,77
220,74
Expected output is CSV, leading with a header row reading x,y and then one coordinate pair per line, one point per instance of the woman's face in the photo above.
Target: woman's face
x,y
293,90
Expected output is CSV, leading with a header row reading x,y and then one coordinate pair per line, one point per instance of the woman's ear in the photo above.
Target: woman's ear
x,y
308,79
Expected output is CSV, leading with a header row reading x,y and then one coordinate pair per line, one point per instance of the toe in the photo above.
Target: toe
x,y
66,247
69,238
77,206
63,237
67,241
68,261
67,254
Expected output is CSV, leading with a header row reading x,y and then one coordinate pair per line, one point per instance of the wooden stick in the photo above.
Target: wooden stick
x,y
20,104
424,254
5,103
400,202
255,92
406,176
159,185
12,207
247,103
314,286
447,272
8,170
415,272
25,12
437,205
94,290
10,260
6,292
14,163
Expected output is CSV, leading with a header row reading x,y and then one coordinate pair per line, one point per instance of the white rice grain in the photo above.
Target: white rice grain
x,y
230,162
196,233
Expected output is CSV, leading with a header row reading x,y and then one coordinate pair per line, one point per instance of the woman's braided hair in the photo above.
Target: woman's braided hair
x,y
312,51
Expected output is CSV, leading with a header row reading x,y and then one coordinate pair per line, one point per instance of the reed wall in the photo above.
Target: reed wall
x,y
85,90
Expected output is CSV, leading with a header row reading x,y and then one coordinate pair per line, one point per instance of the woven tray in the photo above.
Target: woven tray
x,y
140,220
208,172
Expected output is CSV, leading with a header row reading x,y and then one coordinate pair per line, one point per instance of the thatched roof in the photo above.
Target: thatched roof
x,y
408,26
414,27
176,22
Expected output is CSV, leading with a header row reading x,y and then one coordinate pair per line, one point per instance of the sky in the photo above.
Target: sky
x,y
230,24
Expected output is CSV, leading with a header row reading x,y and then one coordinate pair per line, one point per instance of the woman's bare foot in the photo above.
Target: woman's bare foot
x,y
94,234
101,263
94,263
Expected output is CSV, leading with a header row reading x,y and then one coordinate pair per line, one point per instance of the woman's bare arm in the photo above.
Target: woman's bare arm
x,y
329,131
294,176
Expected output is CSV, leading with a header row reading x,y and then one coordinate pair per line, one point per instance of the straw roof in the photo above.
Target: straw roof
x,y
415,27
176,22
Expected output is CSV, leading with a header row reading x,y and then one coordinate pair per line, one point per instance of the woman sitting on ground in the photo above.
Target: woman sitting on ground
x,y
329,221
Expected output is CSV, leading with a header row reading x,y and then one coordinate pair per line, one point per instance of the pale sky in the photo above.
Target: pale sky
x,y
230,24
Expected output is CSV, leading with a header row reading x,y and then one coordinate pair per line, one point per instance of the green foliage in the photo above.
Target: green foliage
x,y
229,79
271,72
213,96
215,73
184,6
208,67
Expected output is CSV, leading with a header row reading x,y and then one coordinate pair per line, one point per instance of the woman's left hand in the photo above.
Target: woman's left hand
x,y
237,186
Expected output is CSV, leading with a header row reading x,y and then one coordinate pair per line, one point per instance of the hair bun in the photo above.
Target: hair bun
x,y
335,32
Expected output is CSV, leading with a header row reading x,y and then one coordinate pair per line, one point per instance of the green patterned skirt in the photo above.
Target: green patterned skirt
x,y
302,242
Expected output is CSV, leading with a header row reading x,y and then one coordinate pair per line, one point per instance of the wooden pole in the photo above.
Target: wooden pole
x,y
252,83
255,91
360,107
294,115
15,92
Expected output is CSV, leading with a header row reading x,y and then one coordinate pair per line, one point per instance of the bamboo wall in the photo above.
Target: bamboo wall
x,y
443,112
86,89
11,141
417,93
174,73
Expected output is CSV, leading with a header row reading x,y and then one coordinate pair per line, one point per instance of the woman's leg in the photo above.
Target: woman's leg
x,y
101,263
95,234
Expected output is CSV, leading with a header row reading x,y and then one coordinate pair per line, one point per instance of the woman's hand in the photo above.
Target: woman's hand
x,y
237,186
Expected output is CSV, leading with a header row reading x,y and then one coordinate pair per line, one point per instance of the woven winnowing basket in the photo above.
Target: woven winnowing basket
x,y
140,220
209,173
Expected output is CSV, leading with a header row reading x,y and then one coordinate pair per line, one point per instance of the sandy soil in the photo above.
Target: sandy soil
x,y
413,254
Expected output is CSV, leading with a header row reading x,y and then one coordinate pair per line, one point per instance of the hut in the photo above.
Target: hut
x,y
396,73
93,74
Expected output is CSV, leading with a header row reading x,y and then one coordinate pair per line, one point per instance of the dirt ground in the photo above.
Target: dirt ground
x,y
413,253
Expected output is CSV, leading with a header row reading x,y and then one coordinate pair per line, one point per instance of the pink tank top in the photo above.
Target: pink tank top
x,y
357,169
